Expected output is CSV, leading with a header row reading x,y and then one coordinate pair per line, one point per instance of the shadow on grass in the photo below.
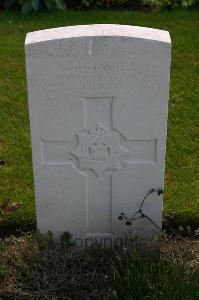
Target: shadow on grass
x,y
13,225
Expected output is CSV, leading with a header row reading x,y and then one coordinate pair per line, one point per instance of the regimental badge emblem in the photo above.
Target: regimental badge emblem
x,y
98,149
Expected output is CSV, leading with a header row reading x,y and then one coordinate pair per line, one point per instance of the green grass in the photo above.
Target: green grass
x,y
35,268
16,181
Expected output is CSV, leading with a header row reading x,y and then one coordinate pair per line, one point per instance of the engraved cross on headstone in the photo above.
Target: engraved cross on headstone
x,y
97,151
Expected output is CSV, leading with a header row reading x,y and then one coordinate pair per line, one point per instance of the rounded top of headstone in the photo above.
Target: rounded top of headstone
x,y
94,30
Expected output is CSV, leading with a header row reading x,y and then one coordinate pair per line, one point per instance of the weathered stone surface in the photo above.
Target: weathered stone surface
x,y
98,99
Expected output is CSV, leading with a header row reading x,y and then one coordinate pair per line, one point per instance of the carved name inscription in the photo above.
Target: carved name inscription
x,y
105,67
104,75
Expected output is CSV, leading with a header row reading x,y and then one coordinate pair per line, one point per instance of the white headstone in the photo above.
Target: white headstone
x,y
98,101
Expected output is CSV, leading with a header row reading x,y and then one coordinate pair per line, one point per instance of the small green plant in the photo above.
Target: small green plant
x,y
66,240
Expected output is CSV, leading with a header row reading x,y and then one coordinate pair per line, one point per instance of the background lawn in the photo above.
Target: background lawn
x,y
181,182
